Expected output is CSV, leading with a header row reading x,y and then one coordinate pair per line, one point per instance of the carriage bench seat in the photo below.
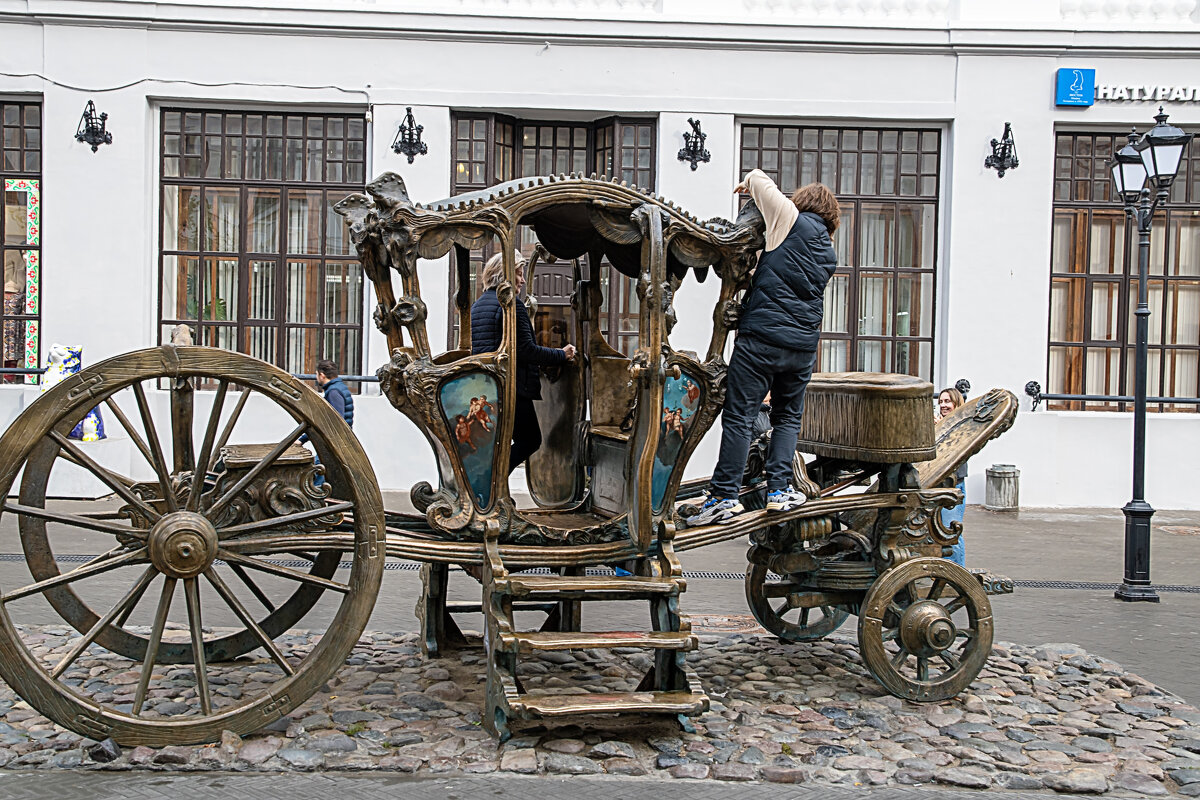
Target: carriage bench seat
x,y
873,417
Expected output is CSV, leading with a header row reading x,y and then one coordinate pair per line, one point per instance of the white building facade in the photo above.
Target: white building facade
x,y
235,127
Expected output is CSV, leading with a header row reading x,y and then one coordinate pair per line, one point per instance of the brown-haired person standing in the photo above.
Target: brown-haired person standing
x,y
777,338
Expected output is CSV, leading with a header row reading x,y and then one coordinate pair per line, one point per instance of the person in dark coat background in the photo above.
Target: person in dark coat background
x,y
487,329
335,390
776,347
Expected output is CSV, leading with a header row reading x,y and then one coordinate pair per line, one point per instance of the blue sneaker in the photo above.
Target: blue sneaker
x,y
784,499
717,510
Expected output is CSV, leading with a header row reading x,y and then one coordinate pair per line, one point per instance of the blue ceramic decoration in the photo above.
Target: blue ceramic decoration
x,y
61,362
681,400
471,407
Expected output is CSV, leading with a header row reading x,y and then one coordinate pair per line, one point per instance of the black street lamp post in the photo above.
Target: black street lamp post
x,y
1145,164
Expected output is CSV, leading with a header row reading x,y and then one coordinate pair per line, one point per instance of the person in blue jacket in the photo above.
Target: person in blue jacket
x,y
776,347
335,390
487,329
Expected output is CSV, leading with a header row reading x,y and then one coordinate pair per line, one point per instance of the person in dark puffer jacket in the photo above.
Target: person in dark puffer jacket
x,y
776,348
487,330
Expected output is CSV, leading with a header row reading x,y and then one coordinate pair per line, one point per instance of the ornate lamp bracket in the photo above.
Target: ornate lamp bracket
x,y
1004,153
92,128
408,138
693,145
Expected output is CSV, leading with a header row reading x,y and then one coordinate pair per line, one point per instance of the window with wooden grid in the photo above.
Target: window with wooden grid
x,y
491,149
21,237
879,305
253,256
1094,283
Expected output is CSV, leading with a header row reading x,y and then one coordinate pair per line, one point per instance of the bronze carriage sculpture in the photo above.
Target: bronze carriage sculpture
x,y
266,531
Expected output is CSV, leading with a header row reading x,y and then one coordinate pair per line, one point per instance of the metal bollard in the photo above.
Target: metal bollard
x,y
1003,488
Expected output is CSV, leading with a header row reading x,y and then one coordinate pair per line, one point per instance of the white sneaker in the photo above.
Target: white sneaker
x,y
718,510
785,499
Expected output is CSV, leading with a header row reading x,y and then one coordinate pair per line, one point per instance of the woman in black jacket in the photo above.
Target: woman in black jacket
x,y
487,329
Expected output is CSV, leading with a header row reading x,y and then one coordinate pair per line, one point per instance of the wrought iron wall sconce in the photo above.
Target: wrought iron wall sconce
x,y
408,138
1004,153
92,128
693,145
964,387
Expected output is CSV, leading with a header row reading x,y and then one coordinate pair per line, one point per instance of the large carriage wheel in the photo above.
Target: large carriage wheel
x,y
274,619
925,629
773,605
182,541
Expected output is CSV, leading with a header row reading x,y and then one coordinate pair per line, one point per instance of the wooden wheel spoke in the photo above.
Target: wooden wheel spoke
x,y
890,635
240,610
910,590
129,429
899,659
108,478
206,447
227,431
254,588
159,463
77,520
922,668
94,567
125,479
966,633
956,604
219,505
935,590
191,594
804,614
124,616
283,572
950,661
125,603
156,632
289,519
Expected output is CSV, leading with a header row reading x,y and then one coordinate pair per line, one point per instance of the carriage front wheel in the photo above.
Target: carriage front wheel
x,y
213,552
925,629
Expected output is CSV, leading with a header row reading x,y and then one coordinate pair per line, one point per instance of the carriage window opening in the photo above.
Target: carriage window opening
x,y
491,148
879,305
20,237
1094,287
253,256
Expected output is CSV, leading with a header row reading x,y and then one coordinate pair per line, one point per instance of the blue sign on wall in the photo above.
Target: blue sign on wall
x,y
1075,87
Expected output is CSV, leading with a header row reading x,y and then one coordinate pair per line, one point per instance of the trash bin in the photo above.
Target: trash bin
x,y
1003,488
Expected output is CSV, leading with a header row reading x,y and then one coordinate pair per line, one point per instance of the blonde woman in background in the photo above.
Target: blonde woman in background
x,y
948,400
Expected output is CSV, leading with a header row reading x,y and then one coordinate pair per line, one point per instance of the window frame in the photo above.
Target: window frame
x,y
342,160
610,125
1082,193
833,151
23,142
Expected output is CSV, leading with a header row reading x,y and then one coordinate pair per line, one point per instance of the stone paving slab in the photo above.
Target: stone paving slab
x,y
1037,718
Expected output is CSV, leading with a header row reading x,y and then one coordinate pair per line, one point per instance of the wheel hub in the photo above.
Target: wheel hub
x,y
182,544
926,629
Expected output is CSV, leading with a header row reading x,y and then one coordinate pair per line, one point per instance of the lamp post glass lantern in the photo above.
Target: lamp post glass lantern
x,y
1145,164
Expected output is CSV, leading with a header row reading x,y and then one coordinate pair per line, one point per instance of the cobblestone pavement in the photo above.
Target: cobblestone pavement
x,y
1051,717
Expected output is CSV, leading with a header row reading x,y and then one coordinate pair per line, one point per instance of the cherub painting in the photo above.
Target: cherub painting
x,y
471,419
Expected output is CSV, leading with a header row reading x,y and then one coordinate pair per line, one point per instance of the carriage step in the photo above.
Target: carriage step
x,y
657,640
682,702
467,607
593,588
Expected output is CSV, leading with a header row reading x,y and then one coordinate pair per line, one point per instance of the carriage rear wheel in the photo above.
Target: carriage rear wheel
x,y
925,629
776,606
224,545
